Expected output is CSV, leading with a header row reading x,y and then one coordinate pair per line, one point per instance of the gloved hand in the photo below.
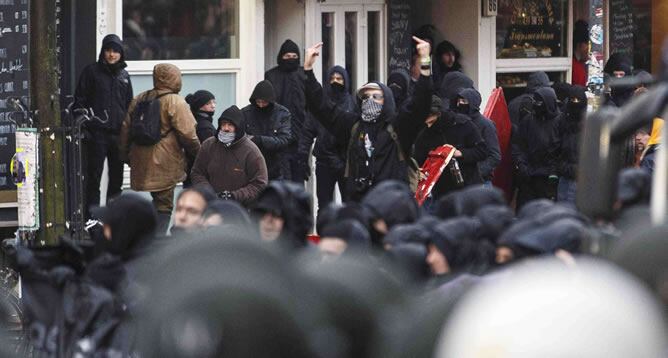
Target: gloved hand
x,y
226,195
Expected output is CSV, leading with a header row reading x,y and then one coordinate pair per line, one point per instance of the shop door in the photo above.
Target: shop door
x,y
353,36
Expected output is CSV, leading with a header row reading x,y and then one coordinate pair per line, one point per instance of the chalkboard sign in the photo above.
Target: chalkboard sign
x,y
622,26
399,37
14,76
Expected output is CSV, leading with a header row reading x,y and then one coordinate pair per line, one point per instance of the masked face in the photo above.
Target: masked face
x,y
539,108
576,108
370,110
263,105
397,93
226,133
462,106
289,62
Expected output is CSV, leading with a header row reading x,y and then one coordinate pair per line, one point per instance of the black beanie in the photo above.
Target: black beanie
x,y
233,115
288,47
436,105
263,90
198,99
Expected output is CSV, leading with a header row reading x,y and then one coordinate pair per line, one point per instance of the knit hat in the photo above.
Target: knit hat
x,y
263,90
198,99
288,46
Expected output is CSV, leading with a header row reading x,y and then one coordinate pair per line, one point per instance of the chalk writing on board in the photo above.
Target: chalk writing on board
x,y
622,26
399,38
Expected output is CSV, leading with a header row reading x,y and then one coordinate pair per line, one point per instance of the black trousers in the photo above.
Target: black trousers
x,y
533,188
100,146
326,180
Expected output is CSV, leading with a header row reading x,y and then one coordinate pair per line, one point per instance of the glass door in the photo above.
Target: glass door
x,y
353,38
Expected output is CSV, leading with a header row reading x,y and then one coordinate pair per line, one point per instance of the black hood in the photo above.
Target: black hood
x,y
389,110
550,99
564,234
401,78
292,203
407,233
327,87
234,115
352,232
562,90
617,62
576,111
451,84
231,212
494,220
393,202
456,240
634,186
112,41
468,201
534,208
445,47
263,90
132,220
473,97
537,80
287,47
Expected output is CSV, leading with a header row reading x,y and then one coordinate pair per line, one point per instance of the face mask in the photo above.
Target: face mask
x,y
265,109
539,109
370,110
576,110
338,88
397,93
462,108
226,137
289,65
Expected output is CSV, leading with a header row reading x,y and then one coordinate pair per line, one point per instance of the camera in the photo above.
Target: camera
x,y
362,184
225,195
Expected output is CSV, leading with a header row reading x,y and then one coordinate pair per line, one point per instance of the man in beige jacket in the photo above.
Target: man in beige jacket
x,y
159,167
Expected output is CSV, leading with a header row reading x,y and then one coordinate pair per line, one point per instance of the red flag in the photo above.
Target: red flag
x,y
497,111
431,171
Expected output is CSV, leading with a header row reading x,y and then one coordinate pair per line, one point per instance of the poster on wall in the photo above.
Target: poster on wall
x,y
596,40
25,171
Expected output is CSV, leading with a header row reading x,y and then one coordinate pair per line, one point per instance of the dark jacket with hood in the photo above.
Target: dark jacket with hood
x,y
536,146
519,106
326,150
440,69
105,88
569,133
270,129
238,167
388,159
288,81
399,82
450,86
293,204
487,130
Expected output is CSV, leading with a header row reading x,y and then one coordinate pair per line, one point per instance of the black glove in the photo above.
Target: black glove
x,y
226,195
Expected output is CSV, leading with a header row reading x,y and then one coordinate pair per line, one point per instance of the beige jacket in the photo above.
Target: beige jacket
x,y
163,165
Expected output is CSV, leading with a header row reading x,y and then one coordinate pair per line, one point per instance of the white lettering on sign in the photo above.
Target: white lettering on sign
x,y
490,7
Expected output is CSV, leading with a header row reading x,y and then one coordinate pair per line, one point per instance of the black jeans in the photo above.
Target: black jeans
x,y
326,179
100,146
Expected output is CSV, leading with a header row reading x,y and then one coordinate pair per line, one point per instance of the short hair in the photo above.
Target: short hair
x,y
205,191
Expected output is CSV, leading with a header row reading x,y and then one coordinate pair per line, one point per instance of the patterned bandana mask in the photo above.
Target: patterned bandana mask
x,y
370,110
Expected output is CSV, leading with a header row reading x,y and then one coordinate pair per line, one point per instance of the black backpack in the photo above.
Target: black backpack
x,y
145,121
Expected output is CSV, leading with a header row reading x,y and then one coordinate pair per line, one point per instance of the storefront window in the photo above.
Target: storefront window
x,y
532,29
180,30
514,84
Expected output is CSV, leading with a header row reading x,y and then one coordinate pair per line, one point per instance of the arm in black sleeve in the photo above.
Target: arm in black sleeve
x,y
310,132
85,89
411,117
493,159
518,147
477,151
130,93
336,121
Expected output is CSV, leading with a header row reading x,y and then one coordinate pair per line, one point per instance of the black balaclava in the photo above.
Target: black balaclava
x,y
264,90
288,65
398,82
233,115
198,99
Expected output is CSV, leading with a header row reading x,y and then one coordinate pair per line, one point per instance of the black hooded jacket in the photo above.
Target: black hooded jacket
x,y
326,150
289,89
388,160
106,89
487,130
399,82
440,69
519,105
450,86
269,128
569,133
293,204
535,146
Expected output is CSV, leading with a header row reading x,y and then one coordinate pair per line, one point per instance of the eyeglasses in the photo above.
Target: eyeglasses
x,y
375,96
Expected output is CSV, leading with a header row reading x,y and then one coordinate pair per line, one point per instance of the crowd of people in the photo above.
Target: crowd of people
x,y
240,273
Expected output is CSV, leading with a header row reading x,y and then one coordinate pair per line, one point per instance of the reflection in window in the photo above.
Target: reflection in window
x,y
178,30
532,28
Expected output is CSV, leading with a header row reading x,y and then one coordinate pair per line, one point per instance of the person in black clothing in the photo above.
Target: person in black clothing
x,y
457,130
106,88
288,81
569,134
450,86
399,82
535,148
330,162
618,66
378,139
447,60
521,105
268,123
468,103
202,105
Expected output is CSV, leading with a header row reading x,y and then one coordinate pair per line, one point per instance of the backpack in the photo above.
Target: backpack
x,y
145,121
412,167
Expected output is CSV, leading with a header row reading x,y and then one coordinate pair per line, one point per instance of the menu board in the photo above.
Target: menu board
x,y
400,37
621,27
14,77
